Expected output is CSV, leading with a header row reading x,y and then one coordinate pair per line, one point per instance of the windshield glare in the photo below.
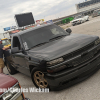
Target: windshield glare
x,y
41,35
5,42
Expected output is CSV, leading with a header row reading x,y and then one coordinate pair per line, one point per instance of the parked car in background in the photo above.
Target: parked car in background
x,y
6,42
96,13
7,84
79,19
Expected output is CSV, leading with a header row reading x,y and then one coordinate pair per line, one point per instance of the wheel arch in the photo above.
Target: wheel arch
x,y
31,67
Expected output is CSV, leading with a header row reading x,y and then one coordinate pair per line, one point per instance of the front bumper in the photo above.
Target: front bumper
x,y
71,77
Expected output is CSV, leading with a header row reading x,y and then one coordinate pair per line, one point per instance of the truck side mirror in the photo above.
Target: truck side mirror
x,y
15,50
69,30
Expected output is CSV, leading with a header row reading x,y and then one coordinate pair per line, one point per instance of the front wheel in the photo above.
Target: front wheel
x,y
38,78
87,19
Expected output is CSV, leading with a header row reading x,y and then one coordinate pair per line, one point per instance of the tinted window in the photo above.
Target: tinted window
x,y
78,17
16,43
41,35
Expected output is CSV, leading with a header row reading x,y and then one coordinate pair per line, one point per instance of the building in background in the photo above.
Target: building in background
x,y
88,6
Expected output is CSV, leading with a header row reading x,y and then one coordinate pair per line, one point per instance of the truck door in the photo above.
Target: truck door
x,y
18,58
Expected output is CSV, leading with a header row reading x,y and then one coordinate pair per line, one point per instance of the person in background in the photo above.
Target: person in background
x,y
7,56
1,56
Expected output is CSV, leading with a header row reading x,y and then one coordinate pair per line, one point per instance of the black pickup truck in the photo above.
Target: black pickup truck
x,y
54,57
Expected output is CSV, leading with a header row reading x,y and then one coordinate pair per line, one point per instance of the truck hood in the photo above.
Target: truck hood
x,y
76,20
63,46
6,81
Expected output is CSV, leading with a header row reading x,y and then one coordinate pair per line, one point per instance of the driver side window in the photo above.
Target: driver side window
x,y
16,43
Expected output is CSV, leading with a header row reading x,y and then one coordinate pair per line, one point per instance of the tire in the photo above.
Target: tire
x,y
81,22
38,79
88,19
11,69
73,24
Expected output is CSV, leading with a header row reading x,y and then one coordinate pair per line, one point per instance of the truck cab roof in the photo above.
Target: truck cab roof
x,y
28,30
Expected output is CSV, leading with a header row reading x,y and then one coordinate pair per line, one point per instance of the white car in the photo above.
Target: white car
x,y
79,19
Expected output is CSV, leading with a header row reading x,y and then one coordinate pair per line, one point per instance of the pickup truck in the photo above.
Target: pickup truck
x,y
79,19
7,86
54,57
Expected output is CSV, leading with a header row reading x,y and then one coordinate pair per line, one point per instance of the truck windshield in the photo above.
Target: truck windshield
x,y
78,17
41,35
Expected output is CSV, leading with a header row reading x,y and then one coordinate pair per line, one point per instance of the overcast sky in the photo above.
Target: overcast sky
x,y
41,9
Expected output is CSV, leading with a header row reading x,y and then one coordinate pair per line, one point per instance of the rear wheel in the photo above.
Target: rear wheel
x,y
38,78
11,69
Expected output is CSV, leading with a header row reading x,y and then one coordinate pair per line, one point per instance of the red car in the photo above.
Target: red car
x,y
8,83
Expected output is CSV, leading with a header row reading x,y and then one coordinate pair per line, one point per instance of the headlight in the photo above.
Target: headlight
x,y
56,61
10,93
97,42
7,96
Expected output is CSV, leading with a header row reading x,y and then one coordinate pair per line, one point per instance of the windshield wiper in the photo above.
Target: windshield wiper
x,y
38,44
57,37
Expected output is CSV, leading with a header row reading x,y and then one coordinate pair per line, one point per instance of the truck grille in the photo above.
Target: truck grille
x,y
83,59
78,52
